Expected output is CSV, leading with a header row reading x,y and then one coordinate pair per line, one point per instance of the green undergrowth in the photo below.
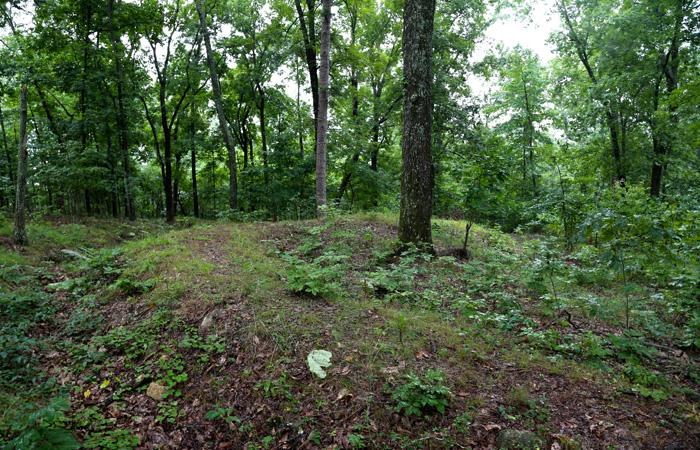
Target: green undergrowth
x,y
427,337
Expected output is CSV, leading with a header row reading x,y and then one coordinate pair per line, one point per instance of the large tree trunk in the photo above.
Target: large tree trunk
x,y
223,122
20,232
322,131
121,118
417,175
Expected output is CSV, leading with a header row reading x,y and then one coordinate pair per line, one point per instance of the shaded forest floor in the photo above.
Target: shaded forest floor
x,y
197,337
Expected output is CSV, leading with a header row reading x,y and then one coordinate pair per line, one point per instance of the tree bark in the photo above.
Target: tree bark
x,y
223,122
417,175
20,231
322,131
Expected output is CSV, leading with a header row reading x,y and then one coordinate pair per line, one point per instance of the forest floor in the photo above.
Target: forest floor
x,y
118,335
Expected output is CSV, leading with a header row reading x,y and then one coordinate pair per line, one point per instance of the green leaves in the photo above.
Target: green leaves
x,y
319,277
422,395
42,428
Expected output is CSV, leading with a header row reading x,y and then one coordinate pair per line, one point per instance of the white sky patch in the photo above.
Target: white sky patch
x,y
511,30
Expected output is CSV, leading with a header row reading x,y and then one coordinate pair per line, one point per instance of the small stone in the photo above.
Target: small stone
x,y
510,439
155,391
209,320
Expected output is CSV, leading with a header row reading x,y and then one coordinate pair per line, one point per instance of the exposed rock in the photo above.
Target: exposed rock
x,y
209,320
510,439
155,391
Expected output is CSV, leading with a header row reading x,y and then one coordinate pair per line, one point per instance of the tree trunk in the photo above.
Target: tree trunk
x,y
176,180
223,122
530,139
663,142
417,175
114,202
20,232
193,161
130,209
354,88
83,95
611,117
10,171
322,131
263,131
167,158
300,122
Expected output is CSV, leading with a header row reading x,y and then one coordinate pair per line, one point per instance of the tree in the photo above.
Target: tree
x,y
307,25
221,115
613,117
417,175
20,232
122,125
324,89
161,43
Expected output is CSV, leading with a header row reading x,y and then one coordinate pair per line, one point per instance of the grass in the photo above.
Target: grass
x,y
509,360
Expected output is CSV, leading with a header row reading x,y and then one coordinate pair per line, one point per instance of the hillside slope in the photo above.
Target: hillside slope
x,y
141,336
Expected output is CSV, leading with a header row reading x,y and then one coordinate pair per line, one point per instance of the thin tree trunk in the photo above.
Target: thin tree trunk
x,y
417,175
300,123
223,122
354,88
263,131
10,170
20,232
309,37
122,127
83,95
176,179
662,141
114,203
611,117
530,133
322,132
167,157
193,161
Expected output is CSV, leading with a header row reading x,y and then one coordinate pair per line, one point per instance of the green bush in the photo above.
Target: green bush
x,y
420,396
319,277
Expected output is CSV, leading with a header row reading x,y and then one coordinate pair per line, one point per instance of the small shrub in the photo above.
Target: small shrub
x,y
40,428
318,278
419,396
111,440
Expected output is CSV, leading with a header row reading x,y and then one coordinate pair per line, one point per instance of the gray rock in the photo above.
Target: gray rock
x,y
209,320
